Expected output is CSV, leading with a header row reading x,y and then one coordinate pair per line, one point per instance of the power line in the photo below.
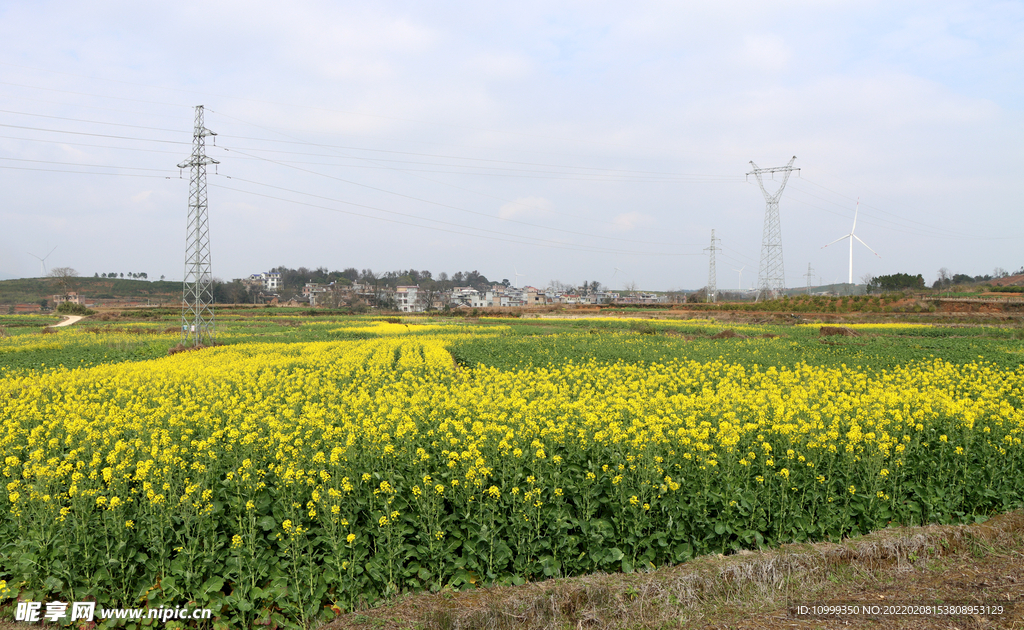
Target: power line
x,y
858,186
935,229
95,146
359,166
622,174
95,135
57,170
129,168
91,122
748,259
503,172
339,179
299,141
104,96
315,108
450,207
102,109
686,177
902,228
406,171
539,242
116,98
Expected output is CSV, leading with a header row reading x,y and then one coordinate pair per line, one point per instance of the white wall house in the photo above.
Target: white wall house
x,y
268,281
410,299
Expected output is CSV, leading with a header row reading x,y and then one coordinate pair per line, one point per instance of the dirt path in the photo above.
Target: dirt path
x,y
71,319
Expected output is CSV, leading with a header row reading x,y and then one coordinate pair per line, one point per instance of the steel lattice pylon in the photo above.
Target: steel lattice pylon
x,y
771,277
712,292
197,296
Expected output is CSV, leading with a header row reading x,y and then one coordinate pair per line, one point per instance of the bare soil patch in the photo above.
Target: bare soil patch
x,y
843,331
183,348
728,333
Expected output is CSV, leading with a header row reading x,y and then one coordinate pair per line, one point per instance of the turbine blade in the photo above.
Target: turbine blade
x,y
866,245
837,240
855,210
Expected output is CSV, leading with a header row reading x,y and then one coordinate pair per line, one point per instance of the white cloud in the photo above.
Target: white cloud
x,y
631,220
525,207
914,107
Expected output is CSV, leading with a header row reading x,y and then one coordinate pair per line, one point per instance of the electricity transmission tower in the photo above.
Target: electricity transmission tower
x,y
809,275
712,293
197,294
771,278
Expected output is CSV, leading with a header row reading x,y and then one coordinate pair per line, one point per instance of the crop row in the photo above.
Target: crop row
x,y
281,480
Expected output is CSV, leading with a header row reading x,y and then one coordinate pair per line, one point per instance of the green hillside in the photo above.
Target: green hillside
x,y
32,290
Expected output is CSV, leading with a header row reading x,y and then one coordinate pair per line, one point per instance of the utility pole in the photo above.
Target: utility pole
x,y
771,278
197,294
809,275
712,292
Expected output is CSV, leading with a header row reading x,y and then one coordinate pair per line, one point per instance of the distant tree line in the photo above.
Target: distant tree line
x,y
895,282
947,279
292,280
944,280
131,274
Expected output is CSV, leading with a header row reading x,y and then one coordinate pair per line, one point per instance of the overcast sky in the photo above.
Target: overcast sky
x,y
570,141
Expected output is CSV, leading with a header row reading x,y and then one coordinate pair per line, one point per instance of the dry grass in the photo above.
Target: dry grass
x,y
713,591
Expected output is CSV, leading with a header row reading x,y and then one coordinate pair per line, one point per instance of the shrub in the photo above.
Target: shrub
x,y
644,328
69,308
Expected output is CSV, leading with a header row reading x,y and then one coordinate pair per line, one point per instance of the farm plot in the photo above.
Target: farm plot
x,y
290,481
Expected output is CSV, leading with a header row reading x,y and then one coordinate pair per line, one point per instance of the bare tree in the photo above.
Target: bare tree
x,y
430,291
64,278
337,295
562,287
697,296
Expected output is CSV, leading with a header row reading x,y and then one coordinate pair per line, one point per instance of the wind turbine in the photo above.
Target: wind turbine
x,y
739,286
42,261
852,236
617,270
517,275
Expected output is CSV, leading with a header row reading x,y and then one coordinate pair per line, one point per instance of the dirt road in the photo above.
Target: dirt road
x,y
71,319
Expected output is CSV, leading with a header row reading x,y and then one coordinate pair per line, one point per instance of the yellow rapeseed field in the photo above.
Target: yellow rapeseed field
x,y
277,479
